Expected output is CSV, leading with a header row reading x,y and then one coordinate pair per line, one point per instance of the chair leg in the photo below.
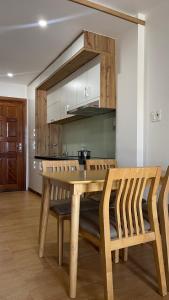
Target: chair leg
x,y
107,273
124,254
116,255
60,228
40,219
164,229
41,209
157,247
44,219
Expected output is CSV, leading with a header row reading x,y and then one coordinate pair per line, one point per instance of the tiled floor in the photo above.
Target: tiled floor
x,y
23,276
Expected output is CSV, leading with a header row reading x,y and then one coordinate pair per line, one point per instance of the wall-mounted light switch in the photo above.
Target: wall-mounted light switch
x,y
156,116
153,116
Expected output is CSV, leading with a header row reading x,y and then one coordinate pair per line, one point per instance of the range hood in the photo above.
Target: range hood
x,y
89,110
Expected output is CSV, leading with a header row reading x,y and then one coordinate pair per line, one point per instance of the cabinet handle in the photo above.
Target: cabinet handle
x,y
86,92
67,108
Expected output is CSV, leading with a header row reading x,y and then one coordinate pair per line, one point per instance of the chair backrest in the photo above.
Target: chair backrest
x,y
100,164
60,165
59,192
164,220
131,184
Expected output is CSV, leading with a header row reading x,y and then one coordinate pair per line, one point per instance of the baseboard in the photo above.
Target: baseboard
x,y
35,192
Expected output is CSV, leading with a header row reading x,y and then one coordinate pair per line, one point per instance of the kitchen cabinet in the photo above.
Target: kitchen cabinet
x,y
69,98
53,106
78,90
88,87
35,177
83,50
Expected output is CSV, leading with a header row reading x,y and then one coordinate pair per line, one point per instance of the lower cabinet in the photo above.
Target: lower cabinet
x,y
35,178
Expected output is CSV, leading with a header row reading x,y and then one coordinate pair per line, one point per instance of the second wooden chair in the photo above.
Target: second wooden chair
x,y
125,226
60,202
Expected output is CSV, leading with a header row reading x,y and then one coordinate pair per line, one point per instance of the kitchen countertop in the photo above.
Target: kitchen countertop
x,y
64,157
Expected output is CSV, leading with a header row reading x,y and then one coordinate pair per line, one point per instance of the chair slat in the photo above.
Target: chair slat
x,y
129,206
123,208
139,205
118,208
134,206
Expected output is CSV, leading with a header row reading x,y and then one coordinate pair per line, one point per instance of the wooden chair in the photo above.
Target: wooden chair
x,y
124,226
104,164
163,213
60,201
100,164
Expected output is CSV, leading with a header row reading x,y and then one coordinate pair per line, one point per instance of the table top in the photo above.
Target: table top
x,y
76,177
81,177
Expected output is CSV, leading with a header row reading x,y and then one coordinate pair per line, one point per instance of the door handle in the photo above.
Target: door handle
x,y
19,147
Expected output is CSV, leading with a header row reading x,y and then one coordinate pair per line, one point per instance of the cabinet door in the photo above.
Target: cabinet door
x,y
71,93
53,106
88,84
81,86
93,83
68,100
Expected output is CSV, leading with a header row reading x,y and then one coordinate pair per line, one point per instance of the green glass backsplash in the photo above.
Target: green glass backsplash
x,y
97,134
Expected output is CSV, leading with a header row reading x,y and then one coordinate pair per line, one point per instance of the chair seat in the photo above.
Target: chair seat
x,y
63,207
89,221
97,197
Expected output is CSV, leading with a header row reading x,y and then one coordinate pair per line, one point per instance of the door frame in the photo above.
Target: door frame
x,y
24,103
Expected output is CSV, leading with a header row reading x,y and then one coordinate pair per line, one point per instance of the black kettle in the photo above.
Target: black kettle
x,y
83,155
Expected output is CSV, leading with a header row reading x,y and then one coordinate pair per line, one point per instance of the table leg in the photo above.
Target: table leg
x,y
44,218
41,209
74,243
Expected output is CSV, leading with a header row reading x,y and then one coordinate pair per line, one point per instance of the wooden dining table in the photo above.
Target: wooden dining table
x,y
78,182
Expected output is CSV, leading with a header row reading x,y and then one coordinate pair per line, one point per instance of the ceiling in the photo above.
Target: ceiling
x,y
26,49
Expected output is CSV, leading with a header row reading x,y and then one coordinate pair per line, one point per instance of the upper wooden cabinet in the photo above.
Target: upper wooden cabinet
x,y
84,49
79,89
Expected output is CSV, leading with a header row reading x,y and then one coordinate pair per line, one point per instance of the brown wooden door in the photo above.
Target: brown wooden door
x,y
12,144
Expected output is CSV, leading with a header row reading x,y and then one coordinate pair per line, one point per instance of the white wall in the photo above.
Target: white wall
x,y
13,90
126,134
157,86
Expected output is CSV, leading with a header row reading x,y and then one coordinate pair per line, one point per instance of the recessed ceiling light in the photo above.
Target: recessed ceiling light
x,y
42,23
10,75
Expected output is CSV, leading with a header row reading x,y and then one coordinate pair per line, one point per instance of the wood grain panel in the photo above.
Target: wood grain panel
x,y
2,128
108,81
12,129
47,135
109,11
2,177
11,147
1,110
2,147
11,111
11,170
96,42
77,61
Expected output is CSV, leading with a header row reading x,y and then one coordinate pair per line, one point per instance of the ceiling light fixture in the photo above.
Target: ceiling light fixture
x,y
42,23
10,75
